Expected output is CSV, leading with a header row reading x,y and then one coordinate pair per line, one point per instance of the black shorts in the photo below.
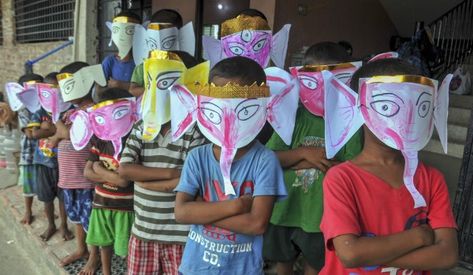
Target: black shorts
x,y
46,183
284,244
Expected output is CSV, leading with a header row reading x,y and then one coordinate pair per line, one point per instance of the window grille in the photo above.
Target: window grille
x,y
44,20
1,27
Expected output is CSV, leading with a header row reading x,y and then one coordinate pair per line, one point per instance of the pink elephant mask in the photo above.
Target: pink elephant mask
x,y
312,83
401,111
110,120
234,121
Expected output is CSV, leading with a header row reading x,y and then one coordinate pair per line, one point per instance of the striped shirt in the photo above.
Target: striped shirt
x,y
154,211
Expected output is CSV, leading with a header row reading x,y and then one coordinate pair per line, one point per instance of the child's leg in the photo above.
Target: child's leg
x,y
46,181
93,261
278,247
49,211
285,268
106,258
28,217
84,204
27,179
63,229
312,246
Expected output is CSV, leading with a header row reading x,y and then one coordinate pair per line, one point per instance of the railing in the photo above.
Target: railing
x,y
452,33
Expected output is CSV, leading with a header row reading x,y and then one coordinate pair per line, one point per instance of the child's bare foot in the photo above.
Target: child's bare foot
x,y
74,257
27,219
91,266
66,234
48,233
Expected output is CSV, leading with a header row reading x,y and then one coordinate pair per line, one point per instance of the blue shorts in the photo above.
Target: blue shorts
x,y
78,204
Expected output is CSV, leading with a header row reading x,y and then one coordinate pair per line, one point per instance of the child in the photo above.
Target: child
x,y
47,171
295,223
165,16
118,71
227,230
77,190
369,222
112,209
156,241
28,146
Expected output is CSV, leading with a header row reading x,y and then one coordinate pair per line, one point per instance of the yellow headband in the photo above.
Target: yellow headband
x,y
243,22
124,19
230,90
331,67
401,79
164,55
106,103
63,76
159,26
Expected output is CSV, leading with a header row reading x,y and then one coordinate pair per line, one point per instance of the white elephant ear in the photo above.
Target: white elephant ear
x,y
12,90
342,114
109,26
441,111
282,106
140,48
279,46
384,56
29,98
183,109
212,49
81,130
90,75
187,39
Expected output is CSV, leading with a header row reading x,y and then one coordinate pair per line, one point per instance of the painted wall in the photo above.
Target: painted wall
x,y
364,23
268,7
185,7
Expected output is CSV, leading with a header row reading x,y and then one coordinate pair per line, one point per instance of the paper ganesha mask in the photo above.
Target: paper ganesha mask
x,y
159,36
161,71
401,111
250,37
78,85
312,83
109,120
15,94
123,29
232,116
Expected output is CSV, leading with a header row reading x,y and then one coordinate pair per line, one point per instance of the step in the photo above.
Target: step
x,y
454,149
459,116
461,101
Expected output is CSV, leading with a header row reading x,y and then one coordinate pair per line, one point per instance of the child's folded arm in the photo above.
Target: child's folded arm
x,y
354,251
46,130
159,185
136,90
109,176
443,254
190,211
253,222
62,131
137,172
90,174
315,156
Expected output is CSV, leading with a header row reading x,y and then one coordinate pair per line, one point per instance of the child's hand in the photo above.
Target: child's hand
x,y
316,157
426,234
97,166
244,203
53,141
28,132
112,83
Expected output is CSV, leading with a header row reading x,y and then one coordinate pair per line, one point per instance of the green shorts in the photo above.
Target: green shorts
x,y
110,227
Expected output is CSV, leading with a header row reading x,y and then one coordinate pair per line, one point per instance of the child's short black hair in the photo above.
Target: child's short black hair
x,y
30,77
388,66
246,70
113,93
347,46
167,16
326,53
51,77
129,14
73,67
186,58
253,12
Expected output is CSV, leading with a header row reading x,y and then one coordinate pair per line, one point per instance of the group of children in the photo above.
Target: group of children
x,y
160,202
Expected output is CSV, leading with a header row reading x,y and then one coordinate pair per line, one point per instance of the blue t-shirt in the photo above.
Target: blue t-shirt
x,y
212,250
39,157
117,69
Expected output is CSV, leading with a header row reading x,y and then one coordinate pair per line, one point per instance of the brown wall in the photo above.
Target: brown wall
x,y
185,7
267,7
364,23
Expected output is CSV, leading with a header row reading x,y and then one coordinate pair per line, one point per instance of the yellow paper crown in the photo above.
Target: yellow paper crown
x,y
330,67
159,26
402,79
243,22
230,90
62,76
164,55
124,19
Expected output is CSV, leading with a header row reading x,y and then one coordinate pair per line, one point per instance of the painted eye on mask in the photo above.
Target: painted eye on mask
x,y
245,112
130,30
151,43
45,94
246,35
343,77
100,120
212,112
259,45
236,49
120,112
69,86
385,108
308,82
424,108
115,29
167,80
168,42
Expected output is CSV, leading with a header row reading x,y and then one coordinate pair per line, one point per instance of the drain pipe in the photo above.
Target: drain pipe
x,y
29,63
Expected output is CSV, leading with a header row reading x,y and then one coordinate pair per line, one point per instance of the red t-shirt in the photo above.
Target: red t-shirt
x,y
358,202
